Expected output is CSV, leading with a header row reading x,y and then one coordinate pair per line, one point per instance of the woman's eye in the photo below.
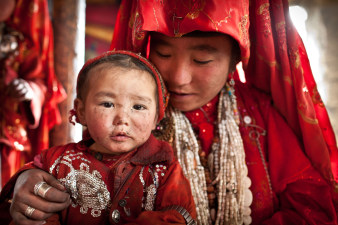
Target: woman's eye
x,y
139,107
163,55
107,104
202,62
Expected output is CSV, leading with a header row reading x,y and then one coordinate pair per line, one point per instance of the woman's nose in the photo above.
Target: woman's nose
x,y
179,74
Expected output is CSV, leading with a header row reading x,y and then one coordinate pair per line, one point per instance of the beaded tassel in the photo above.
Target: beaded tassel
x,y
233,193
186,146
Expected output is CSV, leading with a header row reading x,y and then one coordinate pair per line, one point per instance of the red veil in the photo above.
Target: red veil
x,y
274,58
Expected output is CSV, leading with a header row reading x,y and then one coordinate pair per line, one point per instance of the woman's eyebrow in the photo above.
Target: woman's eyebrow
x,y
158,41
199,47
204,47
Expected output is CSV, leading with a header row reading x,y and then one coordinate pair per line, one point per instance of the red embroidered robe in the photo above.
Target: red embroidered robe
x,y
137,187
285,186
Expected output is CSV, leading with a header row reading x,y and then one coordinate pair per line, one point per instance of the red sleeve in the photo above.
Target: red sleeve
x,y
304,196
300,194
7,191
305,202
6,194
41,161
174,189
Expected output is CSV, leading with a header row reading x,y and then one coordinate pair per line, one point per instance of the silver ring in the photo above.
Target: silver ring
x,y
29,211
41,188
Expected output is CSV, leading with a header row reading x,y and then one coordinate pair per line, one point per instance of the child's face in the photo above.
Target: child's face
x,y
119,109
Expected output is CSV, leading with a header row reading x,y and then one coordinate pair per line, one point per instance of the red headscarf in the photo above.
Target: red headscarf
x,y
274,57
32,19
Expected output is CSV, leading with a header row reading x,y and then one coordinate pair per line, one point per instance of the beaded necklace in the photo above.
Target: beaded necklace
x,y
226,165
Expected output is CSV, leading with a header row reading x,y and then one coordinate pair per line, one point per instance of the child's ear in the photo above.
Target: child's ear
x,y
80,111
155,122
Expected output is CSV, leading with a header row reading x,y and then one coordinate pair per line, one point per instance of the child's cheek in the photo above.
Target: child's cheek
x,y
101,121
145,123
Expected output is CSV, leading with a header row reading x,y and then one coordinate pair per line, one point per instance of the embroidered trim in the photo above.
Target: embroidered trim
x,y
151,190
88,190
186,215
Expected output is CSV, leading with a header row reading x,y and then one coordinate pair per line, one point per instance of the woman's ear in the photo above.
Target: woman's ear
x,y
80,111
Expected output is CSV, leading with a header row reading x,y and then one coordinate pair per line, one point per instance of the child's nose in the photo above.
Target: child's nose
x,y
121,117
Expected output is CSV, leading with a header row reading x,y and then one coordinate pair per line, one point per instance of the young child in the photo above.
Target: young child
x,y
119,173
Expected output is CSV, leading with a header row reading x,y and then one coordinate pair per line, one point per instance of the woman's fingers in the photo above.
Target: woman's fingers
x,y
51,196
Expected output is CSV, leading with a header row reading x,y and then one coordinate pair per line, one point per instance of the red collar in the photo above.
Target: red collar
x,y
202,120
152,151
205,114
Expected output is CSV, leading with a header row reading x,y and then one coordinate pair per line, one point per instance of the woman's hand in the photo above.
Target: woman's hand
x,y
55,198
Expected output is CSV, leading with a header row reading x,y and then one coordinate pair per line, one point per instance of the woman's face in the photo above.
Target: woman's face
x,y
195,69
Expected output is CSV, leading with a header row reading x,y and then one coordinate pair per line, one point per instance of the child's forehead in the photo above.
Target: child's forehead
x,y
120,71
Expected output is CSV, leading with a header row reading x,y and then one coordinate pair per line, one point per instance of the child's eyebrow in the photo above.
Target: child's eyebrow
x,y
105,94
142,98
112,95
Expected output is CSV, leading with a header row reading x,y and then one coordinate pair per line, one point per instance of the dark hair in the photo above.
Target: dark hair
x,y
235,50
111,61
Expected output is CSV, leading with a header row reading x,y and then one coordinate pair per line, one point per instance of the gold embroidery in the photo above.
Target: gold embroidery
x,y
295,58
263,8
195,8
213,22
316,97
138,33
271,64
263,11
306,118
280,28
243,29
157,25
225,20
280,25
288,80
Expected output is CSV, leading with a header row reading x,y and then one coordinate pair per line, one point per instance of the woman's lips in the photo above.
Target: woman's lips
x,y
177,95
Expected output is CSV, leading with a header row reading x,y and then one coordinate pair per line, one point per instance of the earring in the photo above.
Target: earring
x,y
164,129
230,87
72,113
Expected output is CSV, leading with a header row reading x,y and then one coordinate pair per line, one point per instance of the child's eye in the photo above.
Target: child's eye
x,y
107,104
139,107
